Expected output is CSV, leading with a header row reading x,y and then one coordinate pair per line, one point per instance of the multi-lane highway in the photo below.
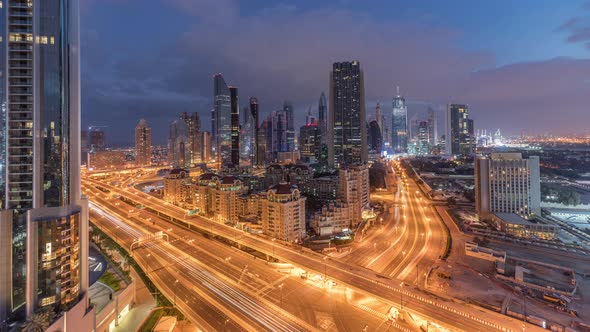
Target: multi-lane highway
x,y
311,302
454,315
410,238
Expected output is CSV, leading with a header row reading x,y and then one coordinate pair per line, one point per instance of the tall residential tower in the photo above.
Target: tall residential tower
x,y
43,216
347,128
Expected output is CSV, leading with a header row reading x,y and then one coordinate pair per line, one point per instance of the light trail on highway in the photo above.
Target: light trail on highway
x,y
460,316
197,275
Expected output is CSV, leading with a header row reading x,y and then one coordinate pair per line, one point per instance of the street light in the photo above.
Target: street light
x,y
227,259
325,268
401,296
281,288
175,288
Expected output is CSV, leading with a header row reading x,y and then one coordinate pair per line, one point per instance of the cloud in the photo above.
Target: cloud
x,y
283,53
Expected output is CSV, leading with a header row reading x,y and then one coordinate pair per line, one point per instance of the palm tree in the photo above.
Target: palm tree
x,y
38,322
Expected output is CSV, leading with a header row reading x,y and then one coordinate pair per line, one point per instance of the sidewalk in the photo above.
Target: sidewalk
x,y
143,305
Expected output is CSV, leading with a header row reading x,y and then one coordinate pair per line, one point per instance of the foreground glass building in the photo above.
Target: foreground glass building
x,y
43,217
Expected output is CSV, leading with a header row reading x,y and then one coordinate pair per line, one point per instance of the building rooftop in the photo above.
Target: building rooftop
x,y
513,218
230,179
283,188
208,176
177,171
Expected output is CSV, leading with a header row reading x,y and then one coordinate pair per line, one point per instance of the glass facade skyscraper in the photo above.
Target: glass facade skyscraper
x,y
347,127
43,221
222,123
399,124
459,137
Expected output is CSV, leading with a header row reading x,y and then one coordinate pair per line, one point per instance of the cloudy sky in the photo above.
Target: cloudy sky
x,y
520,65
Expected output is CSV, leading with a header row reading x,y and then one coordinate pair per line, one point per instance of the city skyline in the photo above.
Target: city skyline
x,y
462,63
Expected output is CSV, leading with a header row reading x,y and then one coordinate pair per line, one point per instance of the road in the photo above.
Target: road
x,y
303,299
411,238
450,314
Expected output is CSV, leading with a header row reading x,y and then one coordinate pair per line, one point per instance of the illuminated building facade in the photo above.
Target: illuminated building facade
x,y
460,137
43,217
143,143
353,188
283,213
177,187
507,183
399,124
222,123
347,129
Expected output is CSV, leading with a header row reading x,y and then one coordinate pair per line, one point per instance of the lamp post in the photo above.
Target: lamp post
x,y
281,288
227,259
325,268
401,296
175,288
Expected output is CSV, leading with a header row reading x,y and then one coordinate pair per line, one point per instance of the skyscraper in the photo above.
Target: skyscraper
x,y
178,145
347,128
379,117
259,151
221,135
43,217
459,138
323,118
143,143
310,139
432,127
206,146
290,126
235,129
375,137
193,124
96,139
423,147
247,136
399,124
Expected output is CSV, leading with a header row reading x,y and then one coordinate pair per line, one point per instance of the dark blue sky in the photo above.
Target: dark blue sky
x,y
518,64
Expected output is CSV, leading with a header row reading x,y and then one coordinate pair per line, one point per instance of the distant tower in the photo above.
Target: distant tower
x,y
347,128
143,143
258,155
96,139
460,138
235,127
221,135
399,127
432,127
193,123
206,146
290,126
323,118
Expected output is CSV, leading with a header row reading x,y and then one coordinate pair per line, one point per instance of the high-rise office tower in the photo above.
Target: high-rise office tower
x,y
96,139
399,124
310,140
193,123
277,130
323,118
507,183
235,128
347,126
459,138
43,217
432,127
178,145
379,118
206,146
222,109
247,136
259,154
143,143
423,147
375,137
290,126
